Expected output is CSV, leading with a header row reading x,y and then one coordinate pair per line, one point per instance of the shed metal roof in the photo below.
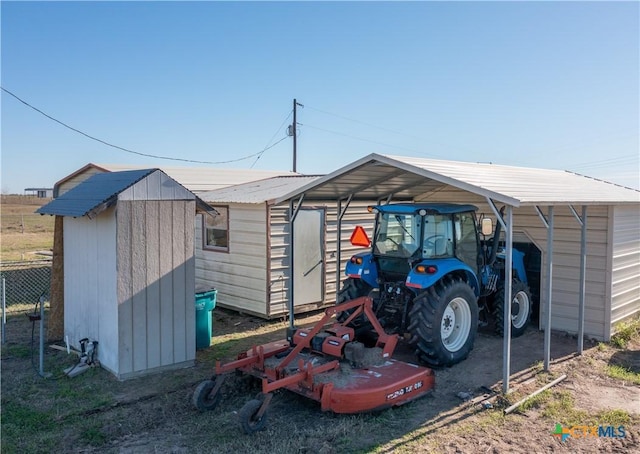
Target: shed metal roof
x,y
258,191
196,179
101,191
377,176
93,192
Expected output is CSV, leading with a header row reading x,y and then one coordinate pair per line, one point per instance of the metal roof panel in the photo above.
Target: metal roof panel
x,y
257,191
377,176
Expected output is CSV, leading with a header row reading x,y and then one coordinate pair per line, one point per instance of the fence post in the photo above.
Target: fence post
x,y
4,313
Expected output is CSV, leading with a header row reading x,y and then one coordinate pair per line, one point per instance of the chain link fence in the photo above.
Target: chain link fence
x,y
25,282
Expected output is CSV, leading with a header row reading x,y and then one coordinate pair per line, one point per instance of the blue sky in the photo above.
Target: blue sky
x,y
544,84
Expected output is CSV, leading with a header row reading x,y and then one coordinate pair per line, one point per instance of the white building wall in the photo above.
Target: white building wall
x,y
239,275
625,278
90,284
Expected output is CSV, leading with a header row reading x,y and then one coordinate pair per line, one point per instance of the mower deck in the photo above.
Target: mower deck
x,y
325,363
343,388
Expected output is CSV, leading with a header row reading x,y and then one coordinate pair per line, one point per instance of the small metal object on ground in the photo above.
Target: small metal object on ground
x,y
535,393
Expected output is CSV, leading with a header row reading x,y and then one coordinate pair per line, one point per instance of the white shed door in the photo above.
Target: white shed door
x,y
308,261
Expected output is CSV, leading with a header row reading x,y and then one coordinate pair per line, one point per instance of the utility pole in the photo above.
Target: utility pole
x,y
292,132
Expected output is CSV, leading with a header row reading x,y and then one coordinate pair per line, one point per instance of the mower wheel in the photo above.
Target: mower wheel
x,y
202,398
248,419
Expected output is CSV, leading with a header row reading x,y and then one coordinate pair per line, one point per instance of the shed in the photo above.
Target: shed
x,y
129,274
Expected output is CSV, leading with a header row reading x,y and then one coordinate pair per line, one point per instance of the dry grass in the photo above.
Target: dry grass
x,y
94,412
24,233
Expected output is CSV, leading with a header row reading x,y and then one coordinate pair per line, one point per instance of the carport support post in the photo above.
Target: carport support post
x,y
341,213
547,323
583,275
508,278
293,212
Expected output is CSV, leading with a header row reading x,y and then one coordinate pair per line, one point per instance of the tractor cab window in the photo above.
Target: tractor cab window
x,y
466,239
397,235
438,237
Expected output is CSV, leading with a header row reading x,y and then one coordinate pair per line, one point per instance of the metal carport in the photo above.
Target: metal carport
x,y
387,178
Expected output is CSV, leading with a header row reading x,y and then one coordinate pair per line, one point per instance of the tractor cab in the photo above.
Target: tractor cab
x,y
407,234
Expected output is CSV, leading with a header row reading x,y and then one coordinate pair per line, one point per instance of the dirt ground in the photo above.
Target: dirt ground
x,y
96,413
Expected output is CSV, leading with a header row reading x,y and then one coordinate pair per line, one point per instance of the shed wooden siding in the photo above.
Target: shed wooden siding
x,y
155,285
90,283
357,214
625,279
240,276
566,260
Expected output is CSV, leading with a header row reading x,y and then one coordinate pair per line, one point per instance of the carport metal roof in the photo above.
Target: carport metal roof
x,y
385,177
378,176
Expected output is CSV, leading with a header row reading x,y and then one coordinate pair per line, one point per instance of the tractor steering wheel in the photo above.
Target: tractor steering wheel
x,y
430,242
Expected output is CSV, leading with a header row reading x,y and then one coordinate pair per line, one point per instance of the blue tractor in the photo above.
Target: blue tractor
x,y
434,277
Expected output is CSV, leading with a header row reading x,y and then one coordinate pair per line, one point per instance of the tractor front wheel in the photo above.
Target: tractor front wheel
x,y
520,308
443,322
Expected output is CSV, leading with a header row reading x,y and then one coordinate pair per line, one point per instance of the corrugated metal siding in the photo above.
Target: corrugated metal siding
x,y
155,286
239,275
566,265
90,284
625,279
357,214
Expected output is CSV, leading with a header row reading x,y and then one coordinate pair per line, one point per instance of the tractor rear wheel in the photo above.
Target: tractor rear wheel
x,y
520,308
443,322
352,289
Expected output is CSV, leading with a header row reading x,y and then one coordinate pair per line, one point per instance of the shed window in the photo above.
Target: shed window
x,y
215,230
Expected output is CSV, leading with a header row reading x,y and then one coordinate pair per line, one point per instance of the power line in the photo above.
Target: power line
x,y
272,137
362,139
361,122
133,151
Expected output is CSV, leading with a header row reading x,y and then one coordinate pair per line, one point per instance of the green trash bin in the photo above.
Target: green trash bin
x,y
205,303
